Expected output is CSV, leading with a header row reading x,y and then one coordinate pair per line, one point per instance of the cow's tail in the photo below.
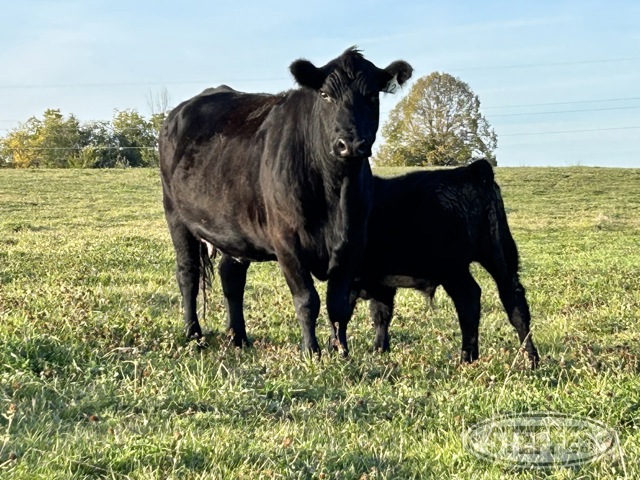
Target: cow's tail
x,y
505,248
207,255
499,253
481,171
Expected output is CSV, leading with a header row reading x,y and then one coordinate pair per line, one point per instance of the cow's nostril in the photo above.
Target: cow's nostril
x,y
343,148
363,149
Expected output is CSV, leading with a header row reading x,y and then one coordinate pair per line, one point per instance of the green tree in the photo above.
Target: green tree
x,y
56,141
137,142
53,141
159,107
101,148
437,123
15,149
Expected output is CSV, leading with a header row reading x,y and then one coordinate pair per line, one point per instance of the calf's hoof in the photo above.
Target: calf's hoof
x,y
193,332
334,345
381,346
468,356
534,360
239,339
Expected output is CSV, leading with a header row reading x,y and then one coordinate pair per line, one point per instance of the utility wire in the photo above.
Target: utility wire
x,y
138,84
543,104
564,111
553,132
210,81
95,147
559,103
548,64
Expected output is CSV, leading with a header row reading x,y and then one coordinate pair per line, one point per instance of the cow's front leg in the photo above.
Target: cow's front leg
x,y
233,277
305,297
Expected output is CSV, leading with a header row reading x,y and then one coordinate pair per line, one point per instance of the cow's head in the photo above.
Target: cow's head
x,y
348,98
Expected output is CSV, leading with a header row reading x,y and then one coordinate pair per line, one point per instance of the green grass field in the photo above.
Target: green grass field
x,y
96,380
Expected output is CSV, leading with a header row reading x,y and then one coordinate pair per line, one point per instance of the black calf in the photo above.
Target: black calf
x,y
425,230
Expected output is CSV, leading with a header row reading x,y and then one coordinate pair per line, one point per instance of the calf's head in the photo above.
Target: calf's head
x,y
348,98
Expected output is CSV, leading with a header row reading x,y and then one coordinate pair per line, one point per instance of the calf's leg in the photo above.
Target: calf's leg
x,y
514,301
381,312
512,295
339,310
465,293
233,277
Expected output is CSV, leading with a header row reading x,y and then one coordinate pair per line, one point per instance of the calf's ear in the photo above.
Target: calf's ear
x,y
395,75
307,74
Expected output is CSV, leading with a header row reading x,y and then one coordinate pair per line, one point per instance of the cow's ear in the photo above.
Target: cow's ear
x,y
395,75
307,74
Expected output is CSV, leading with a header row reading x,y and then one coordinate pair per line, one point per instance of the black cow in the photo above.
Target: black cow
x,y
425,229
286,177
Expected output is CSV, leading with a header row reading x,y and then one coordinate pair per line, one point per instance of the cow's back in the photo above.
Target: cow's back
x,y
428,221
210,151
212,120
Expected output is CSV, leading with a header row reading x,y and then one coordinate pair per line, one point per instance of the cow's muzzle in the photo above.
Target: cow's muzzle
x,y
346,148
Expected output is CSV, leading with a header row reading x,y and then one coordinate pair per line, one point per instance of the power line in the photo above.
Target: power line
x,y
500,136
138,84
565,111
272,79
559,103
96,147
111,128
71,129
566,131
545,104
549,64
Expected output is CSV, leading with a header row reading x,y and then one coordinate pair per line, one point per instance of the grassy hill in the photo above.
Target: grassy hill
x,y
96,380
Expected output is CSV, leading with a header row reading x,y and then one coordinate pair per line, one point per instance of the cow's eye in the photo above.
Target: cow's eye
x,y
325,96
375,98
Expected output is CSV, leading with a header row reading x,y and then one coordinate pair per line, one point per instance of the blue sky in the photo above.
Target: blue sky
x,y
527,61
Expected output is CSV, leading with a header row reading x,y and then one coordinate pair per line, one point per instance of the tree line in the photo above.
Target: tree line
x,y
438,123
57,141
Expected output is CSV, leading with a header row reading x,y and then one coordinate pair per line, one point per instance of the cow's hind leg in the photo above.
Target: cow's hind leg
x,y
187,248
233,276
465,293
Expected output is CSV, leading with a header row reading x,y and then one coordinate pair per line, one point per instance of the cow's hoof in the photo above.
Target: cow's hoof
x,y
534,360
311,348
